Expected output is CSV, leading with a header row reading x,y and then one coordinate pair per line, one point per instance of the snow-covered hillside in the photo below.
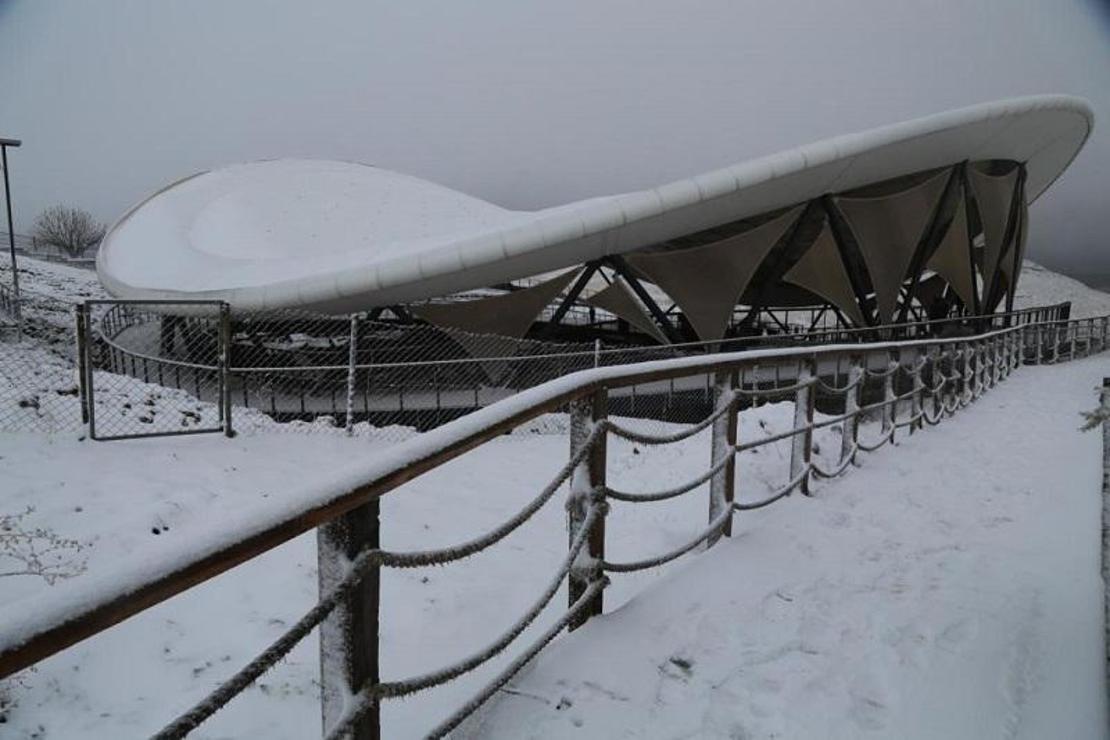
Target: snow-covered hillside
x,y
1039,286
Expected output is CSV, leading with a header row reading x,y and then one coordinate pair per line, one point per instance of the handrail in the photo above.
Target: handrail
x,y
975,364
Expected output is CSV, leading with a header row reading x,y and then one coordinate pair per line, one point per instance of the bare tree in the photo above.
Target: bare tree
x,y
70,229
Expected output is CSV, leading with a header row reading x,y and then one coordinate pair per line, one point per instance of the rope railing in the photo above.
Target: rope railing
x,y
946,374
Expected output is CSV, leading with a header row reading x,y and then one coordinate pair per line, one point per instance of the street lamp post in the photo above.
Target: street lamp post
x,y
4,144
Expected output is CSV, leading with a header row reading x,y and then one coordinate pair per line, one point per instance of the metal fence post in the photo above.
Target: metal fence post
x,y
801,445
722,487
81,312
349,635
850,433
586,482
352,351
224,355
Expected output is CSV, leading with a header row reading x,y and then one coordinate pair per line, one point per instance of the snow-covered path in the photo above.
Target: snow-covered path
x,y
947,589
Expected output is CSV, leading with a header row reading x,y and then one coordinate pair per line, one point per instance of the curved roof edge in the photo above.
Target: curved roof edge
x,y
1045,132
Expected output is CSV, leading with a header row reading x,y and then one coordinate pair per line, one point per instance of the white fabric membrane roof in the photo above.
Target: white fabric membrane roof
x,y
338,236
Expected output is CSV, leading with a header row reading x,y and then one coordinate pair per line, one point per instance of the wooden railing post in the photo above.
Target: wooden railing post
x,y
801,445
349,636
850,433
586,481
722,487
889,409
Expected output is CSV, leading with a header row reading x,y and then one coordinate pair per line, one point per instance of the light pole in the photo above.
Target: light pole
x,y
4,144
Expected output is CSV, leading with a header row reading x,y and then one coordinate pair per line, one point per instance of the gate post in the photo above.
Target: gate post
x,y
722,487
349,635
587,482
224,355
801,445
850,433
82,315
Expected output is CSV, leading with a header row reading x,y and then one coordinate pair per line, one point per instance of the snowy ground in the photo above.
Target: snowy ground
x,y
906,599
949,589
153,498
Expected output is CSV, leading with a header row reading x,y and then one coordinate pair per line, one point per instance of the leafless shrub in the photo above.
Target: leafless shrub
x,y
36,551
70,229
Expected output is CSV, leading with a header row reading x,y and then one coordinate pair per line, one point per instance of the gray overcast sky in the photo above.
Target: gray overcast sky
x,y
524,103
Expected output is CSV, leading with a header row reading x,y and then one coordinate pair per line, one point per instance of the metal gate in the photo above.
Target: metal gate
x,y
153,368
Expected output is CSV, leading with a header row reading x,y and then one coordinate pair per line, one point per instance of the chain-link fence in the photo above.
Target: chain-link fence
x,y
38,382
152,368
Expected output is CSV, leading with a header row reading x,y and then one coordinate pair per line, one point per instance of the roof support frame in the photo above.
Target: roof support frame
x,y
928,242
575,291
617,263
968,204
850,256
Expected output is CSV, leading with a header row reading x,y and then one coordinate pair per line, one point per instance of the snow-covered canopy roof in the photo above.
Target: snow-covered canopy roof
x,y
339,236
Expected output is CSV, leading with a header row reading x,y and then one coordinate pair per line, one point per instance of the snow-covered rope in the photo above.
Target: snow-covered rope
x,y
423,558
502,678
829,388
671,492
714,527
890,370
277,650
780,493
664,439
371,695
883,439
840,468
361,565
912,420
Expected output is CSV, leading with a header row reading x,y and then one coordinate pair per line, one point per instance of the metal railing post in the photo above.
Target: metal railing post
x,y
349,635
587,484
224,355
722,487
352,357
801,445
850,433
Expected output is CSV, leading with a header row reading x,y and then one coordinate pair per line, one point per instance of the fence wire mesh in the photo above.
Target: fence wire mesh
x,y
172,368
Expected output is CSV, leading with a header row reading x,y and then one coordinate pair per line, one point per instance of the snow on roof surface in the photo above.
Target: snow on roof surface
x,y
336,236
